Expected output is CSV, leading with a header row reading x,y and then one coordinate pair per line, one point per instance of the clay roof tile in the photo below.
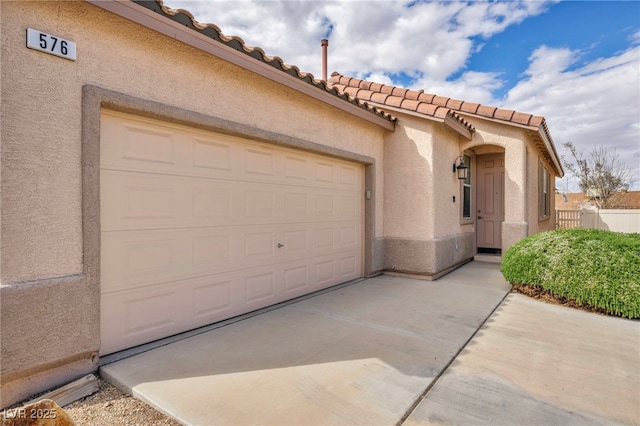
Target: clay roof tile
x,y
375,87
394,101
486,111
365,94
427,108
504,114
453,104
355,82
469,107
379,98
397,91
521,118
386,89
440,100
410,104
441,112
413,94
426,97
351,91
536,121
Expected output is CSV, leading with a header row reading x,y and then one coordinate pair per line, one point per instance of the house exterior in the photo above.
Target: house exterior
x,y
508,195
158,176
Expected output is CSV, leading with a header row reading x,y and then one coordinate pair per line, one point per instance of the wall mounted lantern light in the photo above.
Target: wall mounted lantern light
x,y
461,168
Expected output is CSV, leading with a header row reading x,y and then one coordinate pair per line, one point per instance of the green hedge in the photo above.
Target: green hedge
x,y
593,267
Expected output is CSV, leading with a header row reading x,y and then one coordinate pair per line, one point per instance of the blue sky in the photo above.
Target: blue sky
x,y
575,63
596,29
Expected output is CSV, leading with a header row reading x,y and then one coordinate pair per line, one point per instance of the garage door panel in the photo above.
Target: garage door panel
x,y
259,287
296,278
296,169
198,227
188,152
144,257
211,201
212,154
148,144
138,200
349,177
212,299
349,266
132,317
133,201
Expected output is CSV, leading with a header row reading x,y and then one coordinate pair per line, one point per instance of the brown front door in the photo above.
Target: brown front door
x,y
490,202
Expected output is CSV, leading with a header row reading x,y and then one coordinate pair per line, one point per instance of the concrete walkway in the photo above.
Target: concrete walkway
x,y
539,364
370,353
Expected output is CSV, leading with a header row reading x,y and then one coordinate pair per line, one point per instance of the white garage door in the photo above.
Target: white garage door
x,y
198,227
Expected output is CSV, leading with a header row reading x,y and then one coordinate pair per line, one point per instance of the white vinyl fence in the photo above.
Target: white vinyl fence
x,y
610,220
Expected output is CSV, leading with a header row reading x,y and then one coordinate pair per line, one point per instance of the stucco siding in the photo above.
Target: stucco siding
x,y
41,176
513,141
448,213
422,227
537,223
50,133
409,208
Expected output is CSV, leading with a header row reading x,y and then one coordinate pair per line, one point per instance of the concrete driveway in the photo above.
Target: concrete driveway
x,y
372,352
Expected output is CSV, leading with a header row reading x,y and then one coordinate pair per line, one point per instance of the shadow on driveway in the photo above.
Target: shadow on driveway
x,y
361,354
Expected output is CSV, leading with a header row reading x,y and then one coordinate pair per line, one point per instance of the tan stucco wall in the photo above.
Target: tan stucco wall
x,y
41,131
44,242
422,227
536,224
521,177
408,209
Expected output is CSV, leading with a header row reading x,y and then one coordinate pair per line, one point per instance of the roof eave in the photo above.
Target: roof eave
x,y
539,130
550,149
455,125
449,121
156,22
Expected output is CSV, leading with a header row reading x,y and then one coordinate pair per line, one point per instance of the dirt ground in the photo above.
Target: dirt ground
x,y
543,295
110,407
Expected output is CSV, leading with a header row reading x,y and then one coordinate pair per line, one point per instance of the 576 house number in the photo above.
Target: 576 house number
x,y
51,44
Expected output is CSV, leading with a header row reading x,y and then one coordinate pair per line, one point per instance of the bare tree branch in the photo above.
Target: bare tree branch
x,y
599,176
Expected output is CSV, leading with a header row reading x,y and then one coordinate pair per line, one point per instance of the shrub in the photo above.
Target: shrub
x,y
600,269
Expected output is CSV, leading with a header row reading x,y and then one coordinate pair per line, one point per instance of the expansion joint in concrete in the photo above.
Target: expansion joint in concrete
x,y
424,394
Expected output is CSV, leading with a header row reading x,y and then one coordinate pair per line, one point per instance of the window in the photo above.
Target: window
x,y
544,192
466,190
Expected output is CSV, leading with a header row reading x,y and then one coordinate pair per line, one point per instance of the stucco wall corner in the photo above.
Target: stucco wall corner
x,y
378,262
50,335
512,232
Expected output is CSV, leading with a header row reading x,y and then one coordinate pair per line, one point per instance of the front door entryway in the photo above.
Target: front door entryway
x,y
490,203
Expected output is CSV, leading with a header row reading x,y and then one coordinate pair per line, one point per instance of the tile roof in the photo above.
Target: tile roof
x,y
411,100
212,31
439,107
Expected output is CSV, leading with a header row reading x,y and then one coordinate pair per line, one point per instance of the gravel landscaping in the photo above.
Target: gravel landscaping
x,y
110,407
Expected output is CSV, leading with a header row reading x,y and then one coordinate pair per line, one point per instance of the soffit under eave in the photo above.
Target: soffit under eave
x,y
538,140
538,135
450,121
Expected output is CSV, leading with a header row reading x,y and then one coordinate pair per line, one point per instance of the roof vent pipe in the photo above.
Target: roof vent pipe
x,y
324,43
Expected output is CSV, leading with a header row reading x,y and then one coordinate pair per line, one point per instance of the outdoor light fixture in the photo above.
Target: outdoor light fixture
x,y
461,168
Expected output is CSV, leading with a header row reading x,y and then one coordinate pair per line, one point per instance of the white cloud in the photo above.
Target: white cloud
x,y
596,104
589,104
428,38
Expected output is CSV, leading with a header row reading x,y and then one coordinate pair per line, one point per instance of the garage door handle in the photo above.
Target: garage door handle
x,y
280,245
